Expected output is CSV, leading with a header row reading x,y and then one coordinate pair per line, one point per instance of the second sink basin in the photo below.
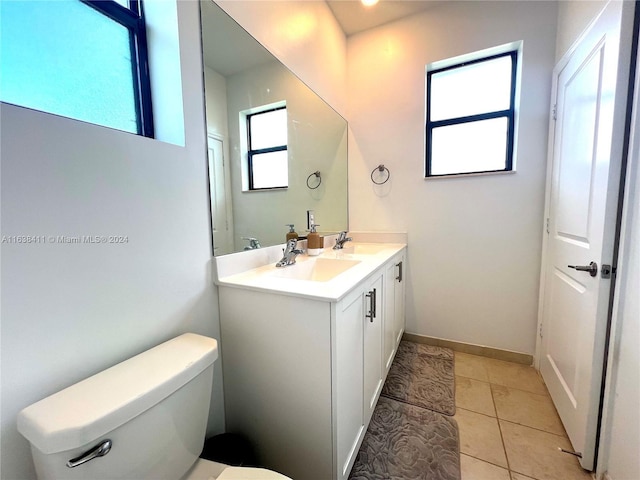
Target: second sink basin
x,y
315,269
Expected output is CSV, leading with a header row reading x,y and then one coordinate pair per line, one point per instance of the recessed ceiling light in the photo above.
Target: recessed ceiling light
x,y
369,3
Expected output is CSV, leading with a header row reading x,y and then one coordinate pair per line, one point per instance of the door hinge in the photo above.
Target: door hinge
x,y
540,331
554,112
547,225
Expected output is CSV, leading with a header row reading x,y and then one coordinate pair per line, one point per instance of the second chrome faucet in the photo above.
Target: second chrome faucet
x,y
289,253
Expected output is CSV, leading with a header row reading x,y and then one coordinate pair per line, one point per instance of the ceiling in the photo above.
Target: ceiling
x,y
354,17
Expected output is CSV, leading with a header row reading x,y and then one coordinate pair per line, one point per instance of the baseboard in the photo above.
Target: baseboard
x,y
505,355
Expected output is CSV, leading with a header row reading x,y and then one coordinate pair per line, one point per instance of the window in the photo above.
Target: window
x,y
267,152
85,60
471,116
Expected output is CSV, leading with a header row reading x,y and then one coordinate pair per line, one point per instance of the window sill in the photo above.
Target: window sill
x,y
473,174
273,189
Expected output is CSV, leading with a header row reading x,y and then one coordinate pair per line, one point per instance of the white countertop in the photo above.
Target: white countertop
x,y
258,271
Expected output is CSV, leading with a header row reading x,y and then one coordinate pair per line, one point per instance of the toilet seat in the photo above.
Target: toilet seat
x,y
208,470
246,473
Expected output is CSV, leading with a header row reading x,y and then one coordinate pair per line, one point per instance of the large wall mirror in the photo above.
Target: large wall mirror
x,y
258,184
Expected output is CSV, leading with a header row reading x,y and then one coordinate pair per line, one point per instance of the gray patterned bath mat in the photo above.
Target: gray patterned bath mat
x,y
405,442
422,375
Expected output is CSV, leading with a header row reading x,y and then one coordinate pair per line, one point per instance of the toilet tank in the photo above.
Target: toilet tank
x,y
153,408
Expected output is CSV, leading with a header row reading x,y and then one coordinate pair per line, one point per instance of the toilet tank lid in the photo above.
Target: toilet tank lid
x,y
86,411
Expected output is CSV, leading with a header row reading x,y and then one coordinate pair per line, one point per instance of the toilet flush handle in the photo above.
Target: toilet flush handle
x,y
98,451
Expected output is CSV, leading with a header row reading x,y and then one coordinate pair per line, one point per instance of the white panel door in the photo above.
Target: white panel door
x,y
219,198
583,200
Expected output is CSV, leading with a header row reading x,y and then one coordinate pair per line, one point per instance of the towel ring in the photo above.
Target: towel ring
x,y
317,175
381,168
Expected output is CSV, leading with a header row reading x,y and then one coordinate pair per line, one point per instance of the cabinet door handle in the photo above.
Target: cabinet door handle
x,y
399,277
372,305
375,304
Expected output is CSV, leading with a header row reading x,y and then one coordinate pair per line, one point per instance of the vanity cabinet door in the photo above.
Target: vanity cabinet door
x,y
399,264
373,358
393,307
389,334
393,326
348,375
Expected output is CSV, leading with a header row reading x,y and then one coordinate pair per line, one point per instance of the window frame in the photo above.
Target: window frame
x,y
509,113
251,153
133,19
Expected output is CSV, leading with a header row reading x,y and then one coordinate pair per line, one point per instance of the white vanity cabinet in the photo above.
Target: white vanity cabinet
x,y
302,375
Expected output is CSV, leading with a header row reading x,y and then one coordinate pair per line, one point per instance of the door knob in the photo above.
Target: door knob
x,y
592,268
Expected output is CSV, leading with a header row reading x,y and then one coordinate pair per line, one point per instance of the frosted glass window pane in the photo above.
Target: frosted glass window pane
x,y
270,170
469,147
64,57
268,129
477,88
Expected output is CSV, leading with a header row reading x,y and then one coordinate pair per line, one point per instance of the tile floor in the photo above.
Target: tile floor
x,y
509,428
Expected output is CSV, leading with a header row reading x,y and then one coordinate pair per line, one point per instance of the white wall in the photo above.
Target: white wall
x,y
216,103
69,311
474,242
573,18
304,35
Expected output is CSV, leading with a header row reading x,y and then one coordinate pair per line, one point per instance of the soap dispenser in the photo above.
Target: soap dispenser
x,y
292,233
314,242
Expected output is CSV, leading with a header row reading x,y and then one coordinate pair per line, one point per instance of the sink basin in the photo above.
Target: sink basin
x,y
315,269
363,249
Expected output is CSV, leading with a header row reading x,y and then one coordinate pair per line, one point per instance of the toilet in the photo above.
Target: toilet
x,y
144,418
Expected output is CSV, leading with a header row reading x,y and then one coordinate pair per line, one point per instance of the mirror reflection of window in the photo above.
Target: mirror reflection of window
x,y
267,154
241,79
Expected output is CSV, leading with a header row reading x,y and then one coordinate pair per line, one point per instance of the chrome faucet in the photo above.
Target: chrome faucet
x,y
253,243
341,240
289,254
